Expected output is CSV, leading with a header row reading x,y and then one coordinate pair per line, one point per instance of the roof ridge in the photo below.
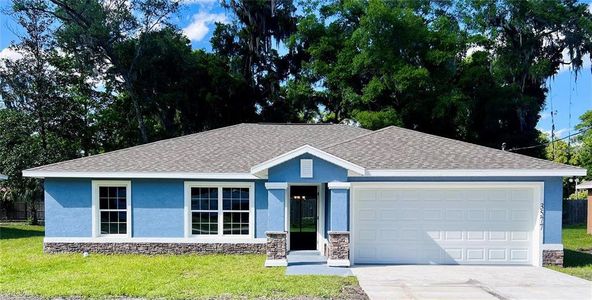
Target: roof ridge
x,y
288,123
357,137
139,146
482,146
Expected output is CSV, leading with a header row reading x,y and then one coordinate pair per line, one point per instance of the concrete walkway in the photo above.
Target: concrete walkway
x,y
312,263
469,282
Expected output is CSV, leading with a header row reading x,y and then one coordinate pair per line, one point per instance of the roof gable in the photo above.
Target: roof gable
x,y
260,169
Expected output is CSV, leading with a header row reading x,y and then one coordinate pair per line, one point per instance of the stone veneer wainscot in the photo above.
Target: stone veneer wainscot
x,y
154,248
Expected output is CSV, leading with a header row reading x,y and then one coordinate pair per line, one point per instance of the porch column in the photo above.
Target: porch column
x,y
338,255
276,234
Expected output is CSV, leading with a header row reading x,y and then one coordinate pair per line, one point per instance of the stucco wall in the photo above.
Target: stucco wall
x,y
158,204
157,207
68,208
323,171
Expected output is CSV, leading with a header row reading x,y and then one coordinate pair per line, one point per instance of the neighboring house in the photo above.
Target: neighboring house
x,y
584,186
359,197
587,186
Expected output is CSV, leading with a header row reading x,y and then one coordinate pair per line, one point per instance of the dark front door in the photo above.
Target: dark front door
x,y
303,217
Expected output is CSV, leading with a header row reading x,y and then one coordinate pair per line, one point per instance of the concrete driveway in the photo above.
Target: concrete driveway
x,y
469,282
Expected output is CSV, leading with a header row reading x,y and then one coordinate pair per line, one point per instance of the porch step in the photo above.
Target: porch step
x,y
306,257
312,263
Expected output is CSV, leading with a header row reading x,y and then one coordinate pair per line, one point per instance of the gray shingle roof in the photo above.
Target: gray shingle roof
x,y
235,149
232,149
399,148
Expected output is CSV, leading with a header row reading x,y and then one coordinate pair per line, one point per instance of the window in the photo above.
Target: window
x,y
204,210
111,200
235,210
215,209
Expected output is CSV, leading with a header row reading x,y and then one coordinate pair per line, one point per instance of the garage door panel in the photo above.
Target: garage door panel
x,y
456,226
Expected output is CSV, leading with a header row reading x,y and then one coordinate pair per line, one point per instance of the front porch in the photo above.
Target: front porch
x,y
307,205
309,217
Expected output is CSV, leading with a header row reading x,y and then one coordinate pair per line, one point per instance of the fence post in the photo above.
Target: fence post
x,y
589,219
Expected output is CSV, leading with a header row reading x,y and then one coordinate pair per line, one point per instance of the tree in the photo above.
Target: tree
x,y
248,44
192,90
527,40
585,140
20,149
473,71
94,30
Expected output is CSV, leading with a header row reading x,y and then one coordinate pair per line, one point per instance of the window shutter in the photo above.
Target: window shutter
x,y
306,168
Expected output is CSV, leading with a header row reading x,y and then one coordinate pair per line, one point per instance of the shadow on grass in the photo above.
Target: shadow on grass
x,y
17,233
573,258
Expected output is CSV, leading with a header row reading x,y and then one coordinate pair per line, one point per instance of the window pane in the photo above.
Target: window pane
x,y
104,228
204,198
122,216
204,222
123,228
103,191
121,192
236,223
112,192
235,199
104,217
121,203
113,228
103,202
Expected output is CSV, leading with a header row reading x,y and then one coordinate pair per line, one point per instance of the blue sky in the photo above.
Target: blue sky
x,y
197,18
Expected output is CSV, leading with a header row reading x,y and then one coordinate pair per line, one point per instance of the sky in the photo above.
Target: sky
x,y
570,94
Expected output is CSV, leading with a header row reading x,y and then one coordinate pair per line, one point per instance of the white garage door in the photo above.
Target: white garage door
x,y
445,223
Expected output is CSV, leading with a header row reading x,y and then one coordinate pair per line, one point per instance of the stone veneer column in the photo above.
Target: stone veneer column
x,y
276,234
338,247
553,255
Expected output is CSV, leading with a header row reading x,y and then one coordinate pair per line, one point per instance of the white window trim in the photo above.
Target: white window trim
x,y
96,228
220,237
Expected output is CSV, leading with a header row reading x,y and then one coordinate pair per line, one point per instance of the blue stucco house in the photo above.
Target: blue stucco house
x,y
390,196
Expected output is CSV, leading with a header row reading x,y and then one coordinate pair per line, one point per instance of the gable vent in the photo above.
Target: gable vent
x,y
306,168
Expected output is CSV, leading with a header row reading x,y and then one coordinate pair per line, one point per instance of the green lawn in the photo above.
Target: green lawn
x,y
577,245
25,270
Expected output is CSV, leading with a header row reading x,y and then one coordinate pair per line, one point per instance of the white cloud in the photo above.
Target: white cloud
x,y
200,2
10,54
474,49
545,116
200,23
559,133
567,67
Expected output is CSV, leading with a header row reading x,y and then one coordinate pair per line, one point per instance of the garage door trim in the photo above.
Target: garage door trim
x,y
537,187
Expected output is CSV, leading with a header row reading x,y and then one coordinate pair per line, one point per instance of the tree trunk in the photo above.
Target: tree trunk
x,y
137,111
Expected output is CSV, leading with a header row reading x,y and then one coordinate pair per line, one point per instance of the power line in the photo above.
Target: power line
x,y
552,142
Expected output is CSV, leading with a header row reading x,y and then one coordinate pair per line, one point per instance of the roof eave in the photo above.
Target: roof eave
x,y
160,175
476,172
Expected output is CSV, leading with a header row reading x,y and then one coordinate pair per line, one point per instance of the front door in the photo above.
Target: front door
x,y
303,217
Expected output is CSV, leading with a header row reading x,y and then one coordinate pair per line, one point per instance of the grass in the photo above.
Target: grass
x,y
26,270
577,245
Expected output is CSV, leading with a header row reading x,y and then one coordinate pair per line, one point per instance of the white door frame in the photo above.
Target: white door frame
x,y
539,194
320,214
